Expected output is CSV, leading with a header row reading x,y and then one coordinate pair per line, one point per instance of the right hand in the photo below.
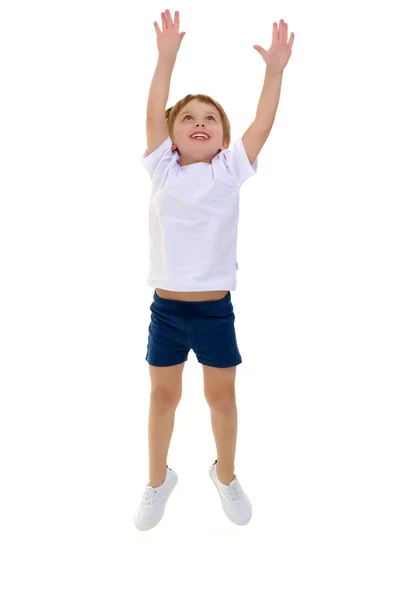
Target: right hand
x,y
169,39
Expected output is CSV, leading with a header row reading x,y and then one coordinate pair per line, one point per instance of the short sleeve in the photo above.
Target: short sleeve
x,y
159,161
237,162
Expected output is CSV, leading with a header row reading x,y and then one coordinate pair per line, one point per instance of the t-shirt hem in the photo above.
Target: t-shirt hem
x,y
230,286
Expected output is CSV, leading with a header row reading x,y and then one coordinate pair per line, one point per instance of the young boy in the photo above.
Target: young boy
x,y
194,210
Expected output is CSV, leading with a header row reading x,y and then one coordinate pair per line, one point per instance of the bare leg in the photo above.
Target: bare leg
x,y
166,392
219,389
224,425
161,425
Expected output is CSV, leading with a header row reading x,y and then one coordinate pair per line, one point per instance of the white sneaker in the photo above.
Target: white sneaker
x,y
235,503
152,505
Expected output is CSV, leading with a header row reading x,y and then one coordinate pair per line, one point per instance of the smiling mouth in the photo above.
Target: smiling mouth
x,y
206,136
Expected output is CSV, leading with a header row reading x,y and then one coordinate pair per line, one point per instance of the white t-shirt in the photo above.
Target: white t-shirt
x,y
193,218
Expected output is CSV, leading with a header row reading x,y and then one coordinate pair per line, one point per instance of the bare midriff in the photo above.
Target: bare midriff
x,y
191,296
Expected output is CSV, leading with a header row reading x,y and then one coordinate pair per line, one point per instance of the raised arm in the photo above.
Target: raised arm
x,y
168,44
276,59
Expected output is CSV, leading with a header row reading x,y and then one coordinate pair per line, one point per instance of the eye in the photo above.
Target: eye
x,y
188,116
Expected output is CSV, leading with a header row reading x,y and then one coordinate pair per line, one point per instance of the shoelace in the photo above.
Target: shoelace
x,y
149,496
235,493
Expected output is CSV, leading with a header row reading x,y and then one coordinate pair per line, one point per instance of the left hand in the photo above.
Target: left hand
x,y
277,57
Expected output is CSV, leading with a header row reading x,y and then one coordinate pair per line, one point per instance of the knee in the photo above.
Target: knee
x,y
165,399
224,402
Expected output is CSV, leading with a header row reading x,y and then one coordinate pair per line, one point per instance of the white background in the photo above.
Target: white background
x,y
317,308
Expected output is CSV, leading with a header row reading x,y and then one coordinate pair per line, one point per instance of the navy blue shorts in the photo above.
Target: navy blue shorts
x,y
206,327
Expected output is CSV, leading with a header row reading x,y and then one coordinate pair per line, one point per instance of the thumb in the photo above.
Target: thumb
x,y
259,49
181,35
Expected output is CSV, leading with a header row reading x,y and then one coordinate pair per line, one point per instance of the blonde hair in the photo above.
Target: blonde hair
x,y
172,112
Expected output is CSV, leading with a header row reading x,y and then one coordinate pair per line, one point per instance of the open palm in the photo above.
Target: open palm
x,y
280,51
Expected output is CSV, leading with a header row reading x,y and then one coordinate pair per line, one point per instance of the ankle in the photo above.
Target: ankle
x,y
225,476
155,484
157,479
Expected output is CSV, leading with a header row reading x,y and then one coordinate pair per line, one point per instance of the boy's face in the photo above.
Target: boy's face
x,y
197,117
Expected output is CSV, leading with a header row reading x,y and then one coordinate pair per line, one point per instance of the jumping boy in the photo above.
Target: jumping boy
x,y
194,210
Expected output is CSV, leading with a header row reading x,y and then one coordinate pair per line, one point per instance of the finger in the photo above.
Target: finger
x,y
259,49
169,19
280,31
164,21
275,35
176,22
158,30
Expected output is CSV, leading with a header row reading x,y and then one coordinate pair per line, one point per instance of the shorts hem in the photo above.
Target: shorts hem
x,y
167,365
220,366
